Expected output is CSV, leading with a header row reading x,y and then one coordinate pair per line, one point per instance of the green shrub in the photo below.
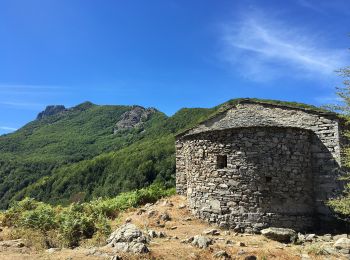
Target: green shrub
x,y
77,221
41,218
74,225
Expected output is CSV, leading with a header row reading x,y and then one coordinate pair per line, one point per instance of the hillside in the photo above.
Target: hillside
x,y
89,151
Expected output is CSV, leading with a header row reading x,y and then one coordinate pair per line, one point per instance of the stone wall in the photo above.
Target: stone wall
x,y
267,181
324,147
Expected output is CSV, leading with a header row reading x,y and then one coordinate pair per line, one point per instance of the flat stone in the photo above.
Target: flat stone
x,y
181,206
213,232
284,235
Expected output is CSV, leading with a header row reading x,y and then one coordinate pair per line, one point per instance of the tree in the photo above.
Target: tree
x,y
341,205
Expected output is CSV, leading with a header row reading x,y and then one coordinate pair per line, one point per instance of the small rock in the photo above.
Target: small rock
x,y
342,244
161,234
151,213
165,217
201,241
250,257
310,237
241,252
182,206
301,238
213,232
187,240
227,233
175,237
148,205
152,234
187,219
141,211
116,257
241,244
128,220
284,235
221,254
174,227
229,242
167,203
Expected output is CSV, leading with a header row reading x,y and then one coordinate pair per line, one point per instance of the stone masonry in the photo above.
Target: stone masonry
x,y
256,165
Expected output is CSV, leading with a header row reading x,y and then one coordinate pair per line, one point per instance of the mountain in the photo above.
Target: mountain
x,y
87,151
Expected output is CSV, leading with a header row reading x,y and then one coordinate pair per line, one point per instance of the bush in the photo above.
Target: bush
x,y
41,218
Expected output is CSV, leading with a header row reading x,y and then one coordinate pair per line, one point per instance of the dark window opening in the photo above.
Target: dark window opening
x,y
221,161
268,179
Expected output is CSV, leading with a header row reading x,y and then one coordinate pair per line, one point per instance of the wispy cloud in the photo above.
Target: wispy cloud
x,y
314,7
7,128
28,89
266,49
22,104
325,7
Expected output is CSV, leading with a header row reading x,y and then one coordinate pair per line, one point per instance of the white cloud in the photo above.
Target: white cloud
x,y
7,128
266,49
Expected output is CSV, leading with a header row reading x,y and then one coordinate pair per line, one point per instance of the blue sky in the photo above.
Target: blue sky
x,y
167,54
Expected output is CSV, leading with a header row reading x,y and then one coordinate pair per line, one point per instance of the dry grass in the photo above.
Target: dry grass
x,y
172,248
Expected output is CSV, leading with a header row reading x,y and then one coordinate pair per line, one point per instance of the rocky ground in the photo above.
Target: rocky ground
x,y
167,230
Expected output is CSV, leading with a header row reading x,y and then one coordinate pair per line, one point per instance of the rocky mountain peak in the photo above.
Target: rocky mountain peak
x,y
133,118
50,111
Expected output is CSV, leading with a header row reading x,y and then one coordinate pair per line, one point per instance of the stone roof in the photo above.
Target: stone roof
x,y
267,103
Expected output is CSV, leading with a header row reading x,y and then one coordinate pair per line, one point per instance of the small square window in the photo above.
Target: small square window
x,y
268,179
221,161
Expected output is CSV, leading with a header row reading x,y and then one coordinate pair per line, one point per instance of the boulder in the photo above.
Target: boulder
x,y
201,241
128,238
131,247
284,235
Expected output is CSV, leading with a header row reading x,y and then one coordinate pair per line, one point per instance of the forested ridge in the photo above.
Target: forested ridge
x,y
76,155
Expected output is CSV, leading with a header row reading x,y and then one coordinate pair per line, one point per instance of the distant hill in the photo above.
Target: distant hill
x,y
90,151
